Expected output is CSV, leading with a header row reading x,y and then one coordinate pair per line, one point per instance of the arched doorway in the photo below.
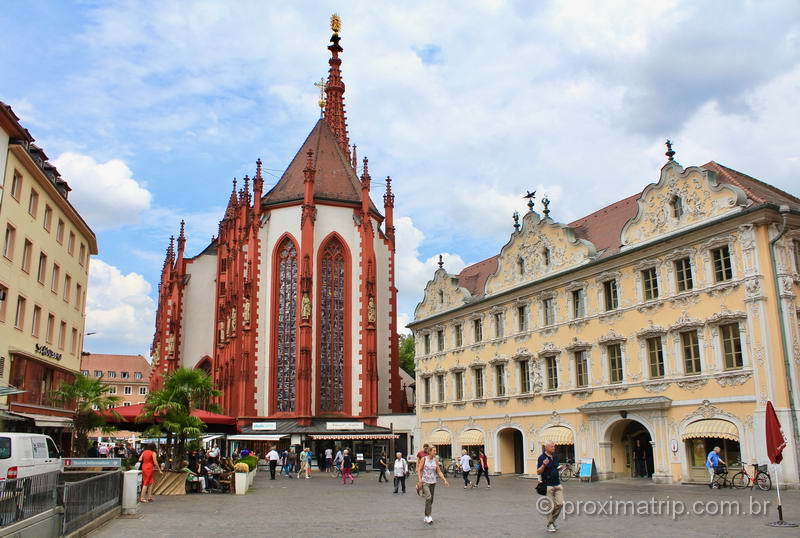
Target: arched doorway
x,y
511,451
631,450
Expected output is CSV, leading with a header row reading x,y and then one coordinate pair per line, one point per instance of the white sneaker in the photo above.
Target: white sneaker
x,y
428,520
551,528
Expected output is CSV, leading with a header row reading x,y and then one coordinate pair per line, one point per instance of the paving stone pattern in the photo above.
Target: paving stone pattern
x,y
323,507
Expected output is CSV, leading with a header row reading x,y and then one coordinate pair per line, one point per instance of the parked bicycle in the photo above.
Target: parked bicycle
x,y
569,470
454,468
758,477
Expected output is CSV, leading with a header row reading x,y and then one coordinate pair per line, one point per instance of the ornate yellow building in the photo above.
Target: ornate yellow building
x,y
642,335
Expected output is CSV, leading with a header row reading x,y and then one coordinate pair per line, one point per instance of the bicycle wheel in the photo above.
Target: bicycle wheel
x,y
764,481
741,480
565,474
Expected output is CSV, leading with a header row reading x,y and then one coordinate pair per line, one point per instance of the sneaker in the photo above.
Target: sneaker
x,y
551,528
430,520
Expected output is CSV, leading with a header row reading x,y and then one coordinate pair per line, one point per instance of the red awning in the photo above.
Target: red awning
x,y
131,412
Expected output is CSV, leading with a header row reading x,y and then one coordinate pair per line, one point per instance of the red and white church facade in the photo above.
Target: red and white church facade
x,y
292,308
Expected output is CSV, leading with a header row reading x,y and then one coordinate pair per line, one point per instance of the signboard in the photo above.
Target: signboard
x,y
345,425
39,448
360,457
47,352
264,426
92,462
587,469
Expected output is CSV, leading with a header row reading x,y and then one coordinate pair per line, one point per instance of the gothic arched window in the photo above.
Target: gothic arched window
x,y
332,281
286,334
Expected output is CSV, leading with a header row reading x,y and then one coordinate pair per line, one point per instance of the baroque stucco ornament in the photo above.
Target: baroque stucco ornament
x,y
699,195
441,293
541,247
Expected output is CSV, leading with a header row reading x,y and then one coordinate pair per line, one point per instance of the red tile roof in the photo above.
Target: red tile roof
x,y
604,227
335,179
116,363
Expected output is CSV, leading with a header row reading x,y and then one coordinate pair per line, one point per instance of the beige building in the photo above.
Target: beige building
x,y
44,263
641,335
127,376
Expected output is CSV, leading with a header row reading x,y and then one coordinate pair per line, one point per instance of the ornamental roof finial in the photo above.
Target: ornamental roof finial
x,y
670,153
546,204
530,196
334,91
258,168
441,262
515,216
182,235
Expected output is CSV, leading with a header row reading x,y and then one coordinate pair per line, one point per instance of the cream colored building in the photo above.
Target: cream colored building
x,y
641,336
45,249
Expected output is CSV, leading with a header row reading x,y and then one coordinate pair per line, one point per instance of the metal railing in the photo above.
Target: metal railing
x,y
88,499
26,497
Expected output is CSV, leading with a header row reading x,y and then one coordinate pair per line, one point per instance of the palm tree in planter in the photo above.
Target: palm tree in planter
x,y
91,400
184,390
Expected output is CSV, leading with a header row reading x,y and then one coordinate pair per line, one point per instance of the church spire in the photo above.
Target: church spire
x,y
334,91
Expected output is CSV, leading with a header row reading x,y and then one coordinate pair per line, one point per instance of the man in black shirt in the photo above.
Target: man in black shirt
x,y
547,468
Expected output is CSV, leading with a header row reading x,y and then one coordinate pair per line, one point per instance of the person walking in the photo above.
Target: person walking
x,y
400,471
483,469
303,463
429,470
273,458
347,467
382,467
422,453
547,467
466,467
149,463
712,463
328,460
291,462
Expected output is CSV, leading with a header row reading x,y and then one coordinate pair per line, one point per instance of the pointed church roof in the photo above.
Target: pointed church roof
x,y
334,181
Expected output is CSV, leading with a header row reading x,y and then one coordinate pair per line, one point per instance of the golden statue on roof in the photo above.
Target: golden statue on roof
x,y
336,23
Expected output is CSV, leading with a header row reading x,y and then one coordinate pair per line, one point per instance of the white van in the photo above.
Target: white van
x,y
27,454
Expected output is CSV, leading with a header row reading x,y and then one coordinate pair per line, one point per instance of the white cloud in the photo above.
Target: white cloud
x,y
412,272
119,310
105,194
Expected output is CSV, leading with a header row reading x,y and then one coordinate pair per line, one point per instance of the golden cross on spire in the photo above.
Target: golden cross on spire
x,y
322,87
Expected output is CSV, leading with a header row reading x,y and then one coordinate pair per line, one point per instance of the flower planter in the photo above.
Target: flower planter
x,y
244,481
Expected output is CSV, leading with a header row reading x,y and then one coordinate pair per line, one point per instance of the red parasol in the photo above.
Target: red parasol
x,y
776,442
131,412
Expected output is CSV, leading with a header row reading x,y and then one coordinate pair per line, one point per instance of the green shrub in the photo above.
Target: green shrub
x,y
251,462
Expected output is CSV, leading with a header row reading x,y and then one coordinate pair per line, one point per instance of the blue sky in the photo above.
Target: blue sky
x,y
149,109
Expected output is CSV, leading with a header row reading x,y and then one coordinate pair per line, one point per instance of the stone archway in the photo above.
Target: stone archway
x,y
510,451
625,440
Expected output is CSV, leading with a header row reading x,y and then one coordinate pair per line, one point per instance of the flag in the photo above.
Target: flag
x,y
776,442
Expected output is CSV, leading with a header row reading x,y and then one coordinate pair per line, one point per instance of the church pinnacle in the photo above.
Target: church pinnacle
x,y
334,91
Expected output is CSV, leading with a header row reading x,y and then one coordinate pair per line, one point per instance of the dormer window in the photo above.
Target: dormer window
x,y
677,206
546,255
520,266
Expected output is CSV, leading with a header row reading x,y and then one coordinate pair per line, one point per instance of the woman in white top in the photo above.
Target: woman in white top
x,y
428,472
466,467
400,471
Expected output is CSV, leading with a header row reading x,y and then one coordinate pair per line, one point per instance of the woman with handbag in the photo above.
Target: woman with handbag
x,y
483,469
148,462
400,471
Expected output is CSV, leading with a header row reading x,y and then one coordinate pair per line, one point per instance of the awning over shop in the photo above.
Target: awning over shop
x,y
276,437
471,437
714,428
440,437
346,436
559,435
6,390
9,416
46,421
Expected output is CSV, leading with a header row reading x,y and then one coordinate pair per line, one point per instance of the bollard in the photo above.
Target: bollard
x,y
130,493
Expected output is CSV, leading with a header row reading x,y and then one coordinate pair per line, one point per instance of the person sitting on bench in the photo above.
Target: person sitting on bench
x,y
192,476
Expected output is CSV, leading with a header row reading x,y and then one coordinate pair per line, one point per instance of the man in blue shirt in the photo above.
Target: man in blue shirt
x,y
712,462
547,467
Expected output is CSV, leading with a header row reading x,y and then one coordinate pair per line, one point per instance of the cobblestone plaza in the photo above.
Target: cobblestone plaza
x,y
323,507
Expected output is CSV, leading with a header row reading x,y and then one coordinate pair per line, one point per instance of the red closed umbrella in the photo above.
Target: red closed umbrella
x,y
776,441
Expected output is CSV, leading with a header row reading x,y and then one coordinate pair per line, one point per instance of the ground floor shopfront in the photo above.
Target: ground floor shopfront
x,y
652,438
365,442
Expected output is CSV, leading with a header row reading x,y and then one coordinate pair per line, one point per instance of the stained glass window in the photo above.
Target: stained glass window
x,y
332,326
286,330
